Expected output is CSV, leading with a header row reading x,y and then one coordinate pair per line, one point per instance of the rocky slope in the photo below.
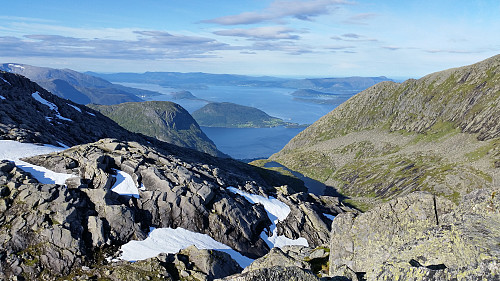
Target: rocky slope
x,y
230,115
51,231
440,133
46,118
163,120
77,87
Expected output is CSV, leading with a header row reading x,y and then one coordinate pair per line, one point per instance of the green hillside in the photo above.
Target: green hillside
x,y
230,115
166,121
440,133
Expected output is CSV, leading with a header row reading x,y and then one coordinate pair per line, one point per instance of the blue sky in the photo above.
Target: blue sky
x,y
305,38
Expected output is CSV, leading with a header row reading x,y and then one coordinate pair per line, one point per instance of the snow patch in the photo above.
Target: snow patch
x,y
53,107
2,98
11,65
169,240
125,185
5,81
328,216
90,113
62,145
38,98
276,211
42,174
63,118
75,107
13,151
272,205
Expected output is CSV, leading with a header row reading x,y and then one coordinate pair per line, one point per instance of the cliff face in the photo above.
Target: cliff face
x,y
163,120
440,133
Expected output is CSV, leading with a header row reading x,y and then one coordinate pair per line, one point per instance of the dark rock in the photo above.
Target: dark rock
x,y
306,217
275,273
210,264
288,256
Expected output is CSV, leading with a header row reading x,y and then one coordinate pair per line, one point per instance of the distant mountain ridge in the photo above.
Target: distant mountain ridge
x,y
78,87
201,80
163,120
440,133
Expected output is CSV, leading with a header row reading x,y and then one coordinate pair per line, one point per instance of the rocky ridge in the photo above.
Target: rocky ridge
x,y
77,87
440,134
73,227
25,119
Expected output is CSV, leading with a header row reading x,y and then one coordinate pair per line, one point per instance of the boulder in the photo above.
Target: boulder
x,y
275,273
420,235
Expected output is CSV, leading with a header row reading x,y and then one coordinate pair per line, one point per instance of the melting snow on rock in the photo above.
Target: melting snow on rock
x,y
276,211
169,240
53,107
75,107
125,185
328,216
5,81
2,98
13,151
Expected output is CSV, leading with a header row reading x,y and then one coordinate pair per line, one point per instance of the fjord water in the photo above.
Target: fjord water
x,y
251,143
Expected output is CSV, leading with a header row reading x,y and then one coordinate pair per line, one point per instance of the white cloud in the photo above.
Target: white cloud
x,y
302,10
146,45
259,33
360,19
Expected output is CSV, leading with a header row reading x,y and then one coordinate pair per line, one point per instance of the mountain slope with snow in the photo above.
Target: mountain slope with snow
x,y
76,206
77,87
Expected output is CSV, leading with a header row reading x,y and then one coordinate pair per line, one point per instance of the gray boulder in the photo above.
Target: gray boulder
x,y
420,237
275,273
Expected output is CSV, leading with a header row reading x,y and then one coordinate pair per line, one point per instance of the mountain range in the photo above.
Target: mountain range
x,y
76,228
421,159
76,86
196,80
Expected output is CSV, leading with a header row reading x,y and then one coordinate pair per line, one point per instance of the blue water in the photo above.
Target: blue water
x,y
250,143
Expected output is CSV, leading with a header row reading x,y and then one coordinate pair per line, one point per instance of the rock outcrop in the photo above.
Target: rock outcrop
x,y
177,193
307,217
421,237
275,273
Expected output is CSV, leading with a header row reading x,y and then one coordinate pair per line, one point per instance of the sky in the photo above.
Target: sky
x,y
296,38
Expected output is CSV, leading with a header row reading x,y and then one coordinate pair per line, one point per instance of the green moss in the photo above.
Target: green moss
x,y
479,153
360,205
437,132
54,222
